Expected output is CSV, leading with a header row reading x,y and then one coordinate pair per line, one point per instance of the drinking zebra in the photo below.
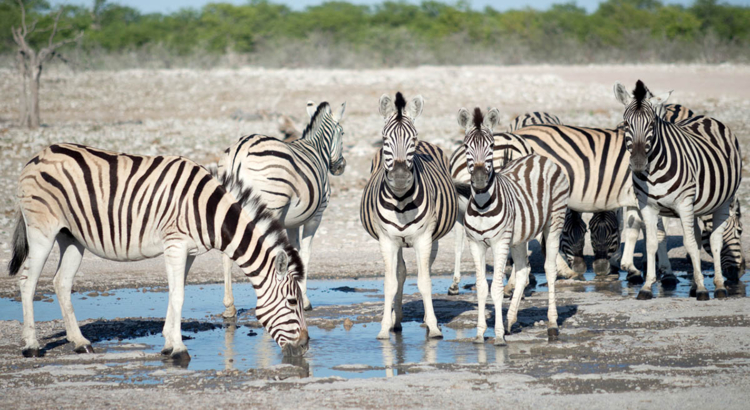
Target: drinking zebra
x,y
130,207
291,179
688,169
508,208
506,146
409,201
732,257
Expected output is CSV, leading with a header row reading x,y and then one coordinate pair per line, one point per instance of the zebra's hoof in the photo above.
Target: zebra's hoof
x,y
180,358
84,349
32,352
553,334
692,291
166,351
720,294
229,313
532,281
397,328
702,295
453,290
635,278
479,340
435,334
499,341
645,295
669,281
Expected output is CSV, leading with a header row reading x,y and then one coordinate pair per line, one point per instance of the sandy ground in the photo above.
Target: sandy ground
x,y
696,362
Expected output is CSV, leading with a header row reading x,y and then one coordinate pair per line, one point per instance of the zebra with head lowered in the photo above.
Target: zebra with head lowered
x,y
130,207
508,208
688,169
409,201
291,179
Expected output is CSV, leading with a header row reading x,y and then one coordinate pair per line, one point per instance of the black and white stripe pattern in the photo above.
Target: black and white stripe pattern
x,y
688,169
732,254
130,207
605,240
507,209
533,118
409,201
291,179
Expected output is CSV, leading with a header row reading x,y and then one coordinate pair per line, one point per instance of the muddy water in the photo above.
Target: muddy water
x,y
335,351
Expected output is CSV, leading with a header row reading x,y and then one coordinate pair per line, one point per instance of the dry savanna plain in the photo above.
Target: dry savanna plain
x,y
614,351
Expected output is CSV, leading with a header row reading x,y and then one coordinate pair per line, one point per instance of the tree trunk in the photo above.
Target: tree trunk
x,y
23,107
37,75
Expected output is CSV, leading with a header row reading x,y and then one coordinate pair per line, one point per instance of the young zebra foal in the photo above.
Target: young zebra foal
x,y
508,208
409,201
131,207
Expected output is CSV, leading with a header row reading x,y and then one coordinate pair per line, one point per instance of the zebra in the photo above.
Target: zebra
x,y
291,179
507,146
533,118
409,201
732,258
508,208
605,240
131,207
685,169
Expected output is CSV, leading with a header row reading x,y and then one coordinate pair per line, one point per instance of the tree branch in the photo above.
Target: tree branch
x,y
54,27
23,17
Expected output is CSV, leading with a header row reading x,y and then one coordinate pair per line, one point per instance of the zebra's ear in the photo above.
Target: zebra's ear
x,y
491,119
659,100
310,108
621,94
414,108
464,118
341,114
386,106
281,263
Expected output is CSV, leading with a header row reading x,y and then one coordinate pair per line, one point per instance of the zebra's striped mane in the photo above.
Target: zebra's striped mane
x,y
314,124
478,118
260,214
640,93
400,106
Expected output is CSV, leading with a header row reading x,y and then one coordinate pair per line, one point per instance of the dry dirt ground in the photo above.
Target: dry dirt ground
x,y
615,351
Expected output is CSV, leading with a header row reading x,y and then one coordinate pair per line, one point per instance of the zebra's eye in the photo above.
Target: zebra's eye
x,y
292,301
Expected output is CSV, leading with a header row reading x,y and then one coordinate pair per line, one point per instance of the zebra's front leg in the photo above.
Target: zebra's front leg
x,y
720,222
668,278
650,216
230,310
500,250
631,231
479,251
426,250
390,251
398,313
687,219
308,234
459,249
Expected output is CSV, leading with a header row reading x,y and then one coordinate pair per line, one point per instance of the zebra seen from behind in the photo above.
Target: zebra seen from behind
x,y
508,208
688,169
130,207
291,179
409,201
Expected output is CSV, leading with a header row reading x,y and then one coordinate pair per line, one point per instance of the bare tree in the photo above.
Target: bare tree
x,y
30,63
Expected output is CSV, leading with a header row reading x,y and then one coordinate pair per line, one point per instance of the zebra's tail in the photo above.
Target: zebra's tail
x,y
20,246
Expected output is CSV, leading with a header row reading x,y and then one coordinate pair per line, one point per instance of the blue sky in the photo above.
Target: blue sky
x,y
167,6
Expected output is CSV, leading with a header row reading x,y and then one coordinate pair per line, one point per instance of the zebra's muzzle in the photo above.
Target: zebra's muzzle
x,y
400,177
479,178
337,168
299,347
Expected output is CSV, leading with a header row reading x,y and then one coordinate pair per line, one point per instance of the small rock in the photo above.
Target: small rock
x,y
348,324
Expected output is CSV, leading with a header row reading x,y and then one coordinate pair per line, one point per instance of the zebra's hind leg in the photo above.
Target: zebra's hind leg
x,y
177,262
631,231
230,310
687,218
71,253
459,249
398,312
552,231
479,252
668,279
522,275
305,250
426,250
40,246
720,223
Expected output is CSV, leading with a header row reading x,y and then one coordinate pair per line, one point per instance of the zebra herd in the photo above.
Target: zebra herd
x,y
502,189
